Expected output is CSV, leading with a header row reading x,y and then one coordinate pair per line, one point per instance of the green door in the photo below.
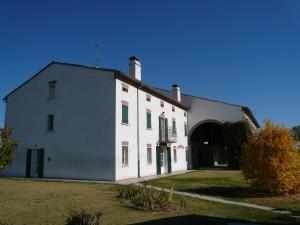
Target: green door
x,y
169,160
158,166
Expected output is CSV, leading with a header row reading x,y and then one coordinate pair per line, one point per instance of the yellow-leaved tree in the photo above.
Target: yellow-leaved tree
x,y
271,161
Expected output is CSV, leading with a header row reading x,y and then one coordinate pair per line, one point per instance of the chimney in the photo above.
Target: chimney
x,y
176,92
135,68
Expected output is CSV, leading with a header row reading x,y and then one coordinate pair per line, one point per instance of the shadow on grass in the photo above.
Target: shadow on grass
x,y
204,220
228,192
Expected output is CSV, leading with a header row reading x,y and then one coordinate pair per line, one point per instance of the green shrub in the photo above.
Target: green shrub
x,y
236,135
83,218
147,197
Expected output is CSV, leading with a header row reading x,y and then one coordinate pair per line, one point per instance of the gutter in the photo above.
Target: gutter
x,y
138,128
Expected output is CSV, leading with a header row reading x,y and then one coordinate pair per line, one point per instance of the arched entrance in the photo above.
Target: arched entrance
x,y
208,144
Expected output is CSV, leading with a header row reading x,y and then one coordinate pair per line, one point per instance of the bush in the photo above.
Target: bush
x,y
83,218
7,147
147,197
236,135
271,161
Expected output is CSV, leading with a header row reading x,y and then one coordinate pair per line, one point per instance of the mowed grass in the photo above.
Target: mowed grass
x,y
228,184
48,202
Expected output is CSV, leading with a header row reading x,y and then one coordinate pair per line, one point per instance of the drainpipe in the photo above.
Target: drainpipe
x,y
138,129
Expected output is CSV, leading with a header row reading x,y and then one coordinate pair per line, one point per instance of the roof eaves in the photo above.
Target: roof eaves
x,y
245,109
249,113
122,76
21,85
59,63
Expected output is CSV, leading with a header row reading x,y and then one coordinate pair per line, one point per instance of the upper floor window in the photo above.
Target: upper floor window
x,y
124,112
50,122
173,108
185,129
148,98
52,86
174,125
162,104
125,87
148,117
184,114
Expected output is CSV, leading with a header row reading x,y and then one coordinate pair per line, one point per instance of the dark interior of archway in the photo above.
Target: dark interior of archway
x,y
208,145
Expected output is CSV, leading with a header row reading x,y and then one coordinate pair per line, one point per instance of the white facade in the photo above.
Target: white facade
x,y
86,141
90,139
82,141
146,137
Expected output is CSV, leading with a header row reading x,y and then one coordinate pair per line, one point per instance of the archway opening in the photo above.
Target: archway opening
x,y
208,145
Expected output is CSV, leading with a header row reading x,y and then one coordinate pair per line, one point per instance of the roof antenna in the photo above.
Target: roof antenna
x,y
97,56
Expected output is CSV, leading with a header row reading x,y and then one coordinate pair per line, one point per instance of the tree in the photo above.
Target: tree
x,y
236,135
271,161
296,132
7,147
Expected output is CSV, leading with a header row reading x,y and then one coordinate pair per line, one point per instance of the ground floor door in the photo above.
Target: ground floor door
x,y
163,157
35,163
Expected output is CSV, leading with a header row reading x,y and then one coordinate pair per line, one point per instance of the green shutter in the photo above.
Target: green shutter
x,y
41,162
174,124
160,124
166,129
158,166
148,120
28,163
169,160
124,114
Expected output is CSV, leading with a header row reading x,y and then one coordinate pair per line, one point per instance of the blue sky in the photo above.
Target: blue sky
x,y
243,52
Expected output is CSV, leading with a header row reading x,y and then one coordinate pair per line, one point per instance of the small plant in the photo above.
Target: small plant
x,y
83,218
147,197
183,202
129,191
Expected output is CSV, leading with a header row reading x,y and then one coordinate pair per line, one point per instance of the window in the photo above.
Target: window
x,y
124,153
173,126
148,98
175,154
125,87
162,104
185,129
124,112
173,108
52,85
149,155
184,114
148,115
186,154
50,122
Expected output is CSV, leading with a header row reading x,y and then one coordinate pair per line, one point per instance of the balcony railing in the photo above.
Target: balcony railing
x,y
168,135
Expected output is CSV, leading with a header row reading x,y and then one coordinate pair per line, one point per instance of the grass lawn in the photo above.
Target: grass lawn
x,y
227,184
49,202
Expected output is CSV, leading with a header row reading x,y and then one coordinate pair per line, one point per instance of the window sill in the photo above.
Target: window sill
x,y
124,166
149,129
126,124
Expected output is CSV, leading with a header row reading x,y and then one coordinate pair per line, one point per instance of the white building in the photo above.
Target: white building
x,y
80,122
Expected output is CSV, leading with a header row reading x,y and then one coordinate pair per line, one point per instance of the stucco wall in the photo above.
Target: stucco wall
x,y
202,110
146,136
82,143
